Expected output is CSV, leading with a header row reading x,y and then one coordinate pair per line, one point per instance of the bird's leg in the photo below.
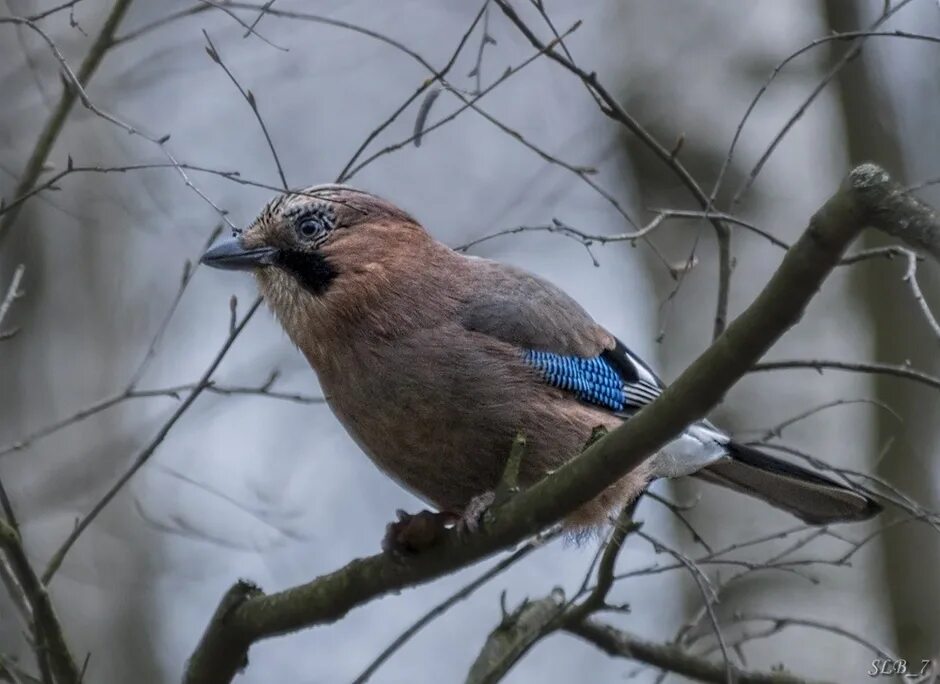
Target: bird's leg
x,y
474,514
411,534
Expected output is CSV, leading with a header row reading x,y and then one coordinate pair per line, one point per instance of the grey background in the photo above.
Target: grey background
x,y
286,495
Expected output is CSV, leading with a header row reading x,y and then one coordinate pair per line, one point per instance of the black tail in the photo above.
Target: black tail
x,y
809,496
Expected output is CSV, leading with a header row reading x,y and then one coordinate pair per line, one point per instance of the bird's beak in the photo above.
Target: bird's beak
x,y
229,254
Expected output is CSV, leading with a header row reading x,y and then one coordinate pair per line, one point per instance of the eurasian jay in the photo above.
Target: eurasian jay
x,y
434,361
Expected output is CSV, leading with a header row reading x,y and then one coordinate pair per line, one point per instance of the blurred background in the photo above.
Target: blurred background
x,y
272,489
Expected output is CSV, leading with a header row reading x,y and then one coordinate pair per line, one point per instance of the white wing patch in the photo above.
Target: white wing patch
x,y
645,388
639,394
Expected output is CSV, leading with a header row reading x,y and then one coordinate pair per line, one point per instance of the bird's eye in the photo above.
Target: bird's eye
x,y
310,227
313,223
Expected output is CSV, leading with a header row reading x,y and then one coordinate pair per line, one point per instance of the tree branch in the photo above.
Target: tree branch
x,y
516,633
54,126
13,293
860,202
611,107
669,657
442,607
47,631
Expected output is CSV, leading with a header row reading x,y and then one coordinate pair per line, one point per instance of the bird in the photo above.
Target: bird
x,y
434,361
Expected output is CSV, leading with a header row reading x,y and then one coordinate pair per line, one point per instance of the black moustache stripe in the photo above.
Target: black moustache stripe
x,y
311,269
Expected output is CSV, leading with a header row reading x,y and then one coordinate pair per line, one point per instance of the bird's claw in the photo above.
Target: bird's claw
x,y
412,534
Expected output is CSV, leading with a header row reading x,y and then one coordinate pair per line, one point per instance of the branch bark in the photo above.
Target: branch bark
x,y
514,636
867,198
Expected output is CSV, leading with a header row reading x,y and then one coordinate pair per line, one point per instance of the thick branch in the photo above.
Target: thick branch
x,y
514,636
690,397
895,211
204,665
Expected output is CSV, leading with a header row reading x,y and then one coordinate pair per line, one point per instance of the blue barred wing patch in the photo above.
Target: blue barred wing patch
x,y
593,380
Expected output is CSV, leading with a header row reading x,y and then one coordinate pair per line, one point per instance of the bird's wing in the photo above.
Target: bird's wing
x,y
522,309
558,338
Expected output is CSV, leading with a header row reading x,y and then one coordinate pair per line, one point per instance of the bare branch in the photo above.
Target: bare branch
x,y
419,131
249,28
148,451
848,56
185,280
910,277
709,598
70,5
13,293
669,657
47,630
75,84
819,365
516,633
611,107
597,599
257,20
56,121
174,392
782,622
450,601
160,23
213,53
777,430
485,39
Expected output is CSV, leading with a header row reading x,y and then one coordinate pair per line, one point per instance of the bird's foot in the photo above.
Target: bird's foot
x,y
412,534
473,516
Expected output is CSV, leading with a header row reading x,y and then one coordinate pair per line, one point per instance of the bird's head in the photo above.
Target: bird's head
x,y
323,254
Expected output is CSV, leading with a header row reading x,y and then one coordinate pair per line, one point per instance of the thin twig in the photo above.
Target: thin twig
x,y
709,597
449,602
47,630
70,5
173,392
670,657
910,277
726,164
437,77
13,293
76,85
213,53
188,271
160,23
777,430
249,28
485,39
611,107
56,121
819,365
51,182
257,20
781,622
847,57
148,451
